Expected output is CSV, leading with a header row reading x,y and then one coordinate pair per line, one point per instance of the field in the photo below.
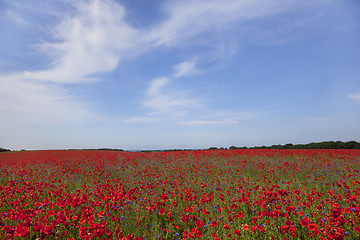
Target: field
x,y
217,194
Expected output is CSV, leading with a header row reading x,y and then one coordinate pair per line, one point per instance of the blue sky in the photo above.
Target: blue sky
x,y
139,74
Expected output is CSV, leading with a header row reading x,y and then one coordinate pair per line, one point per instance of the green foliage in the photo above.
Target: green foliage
x,y
4,150
320,145
213,148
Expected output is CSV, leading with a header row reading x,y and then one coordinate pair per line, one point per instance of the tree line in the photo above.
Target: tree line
x,y
319,145
4,150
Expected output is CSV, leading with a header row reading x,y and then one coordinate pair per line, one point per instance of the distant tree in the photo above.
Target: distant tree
x,y
352,145
288,146
213,148
340,145
4,150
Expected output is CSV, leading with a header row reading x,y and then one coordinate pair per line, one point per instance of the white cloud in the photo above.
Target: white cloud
x,y
165,101
156,85
220,118
140,119
18,19
95,36
185,68
93,40
27,102
355,97
194,17
161,99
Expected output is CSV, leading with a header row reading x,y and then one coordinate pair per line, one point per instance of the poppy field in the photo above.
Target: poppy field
x,y
204,194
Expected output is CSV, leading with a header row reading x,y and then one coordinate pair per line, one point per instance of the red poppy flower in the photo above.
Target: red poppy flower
x,y
198,234
240,214
185,218
304,222
213,224
237,232
313,227
130,236
206,212
234,206
199,223
245,227
21,231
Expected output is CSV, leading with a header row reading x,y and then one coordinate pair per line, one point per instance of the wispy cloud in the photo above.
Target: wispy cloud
x,y
355,97
225,118
190,18
156,85
185,68
140,119
165,101
26,102
93,39
18,19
